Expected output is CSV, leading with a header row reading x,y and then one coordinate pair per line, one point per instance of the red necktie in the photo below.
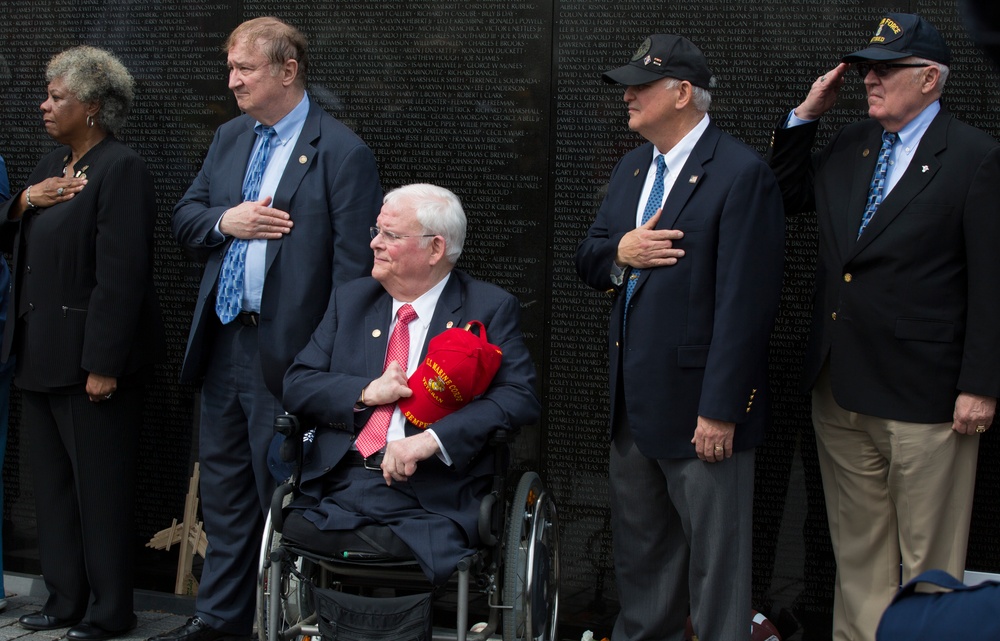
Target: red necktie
x,y
372,437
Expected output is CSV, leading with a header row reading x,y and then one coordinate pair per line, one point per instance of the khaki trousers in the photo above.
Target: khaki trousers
x,y
896,494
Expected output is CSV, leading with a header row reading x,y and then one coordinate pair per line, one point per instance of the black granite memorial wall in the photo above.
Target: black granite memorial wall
x,y
502,102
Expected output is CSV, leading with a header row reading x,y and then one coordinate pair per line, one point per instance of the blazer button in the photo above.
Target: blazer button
x,y
833,316
27,268
847,278
31,306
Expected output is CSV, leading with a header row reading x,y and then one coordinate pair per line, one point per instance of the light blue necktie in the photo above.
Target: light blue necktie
x,y
229,299
877,187
654,203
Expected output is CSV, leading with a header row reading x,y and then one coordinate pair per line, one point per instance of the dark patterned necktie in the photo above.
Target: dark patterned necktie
x,y
877,188
654,203
229,299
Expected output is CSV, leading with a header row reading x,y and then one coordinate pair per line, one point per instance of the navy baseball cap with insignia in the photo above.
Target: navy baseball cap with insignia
x,y
663,56
901,35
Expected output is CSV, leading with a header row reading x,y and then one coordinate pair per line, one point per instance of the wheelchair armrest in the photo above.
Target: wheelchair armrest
x,y
278,502
486,519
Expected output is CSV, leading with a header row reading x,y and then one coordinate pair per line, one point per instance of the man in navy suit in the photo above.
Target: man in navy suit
x,y
904,352
426,484
688,348
304,231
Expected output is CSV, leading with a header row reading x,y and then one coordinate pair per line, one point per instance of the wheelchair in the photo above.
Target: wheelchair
x,y
516,569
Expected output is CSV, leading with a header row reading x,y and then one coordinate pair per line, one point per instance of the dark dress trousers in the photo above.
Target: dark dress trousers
x,y
347,352
331,189
84,301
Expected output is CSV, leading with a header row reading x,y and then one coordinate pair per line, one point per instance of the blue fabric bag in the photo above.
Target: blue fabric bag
x,y
967,612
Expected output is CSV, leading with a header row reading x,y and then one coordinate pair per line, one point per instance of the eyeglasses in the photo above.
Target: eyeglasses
x,y
882,69
391,237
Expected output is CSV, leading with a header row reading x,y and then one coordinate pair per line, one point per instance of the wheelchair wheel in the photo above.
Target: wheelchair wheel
x,y
284,600
531,564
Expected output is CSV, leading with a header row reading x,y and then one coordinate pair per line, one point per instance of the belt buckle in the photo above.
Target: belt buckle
x,y
376,460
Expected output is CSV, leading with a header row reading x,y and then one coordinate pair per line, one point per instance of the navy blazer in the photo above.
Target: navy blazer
x,y
346,353
698,331
907,314
330,188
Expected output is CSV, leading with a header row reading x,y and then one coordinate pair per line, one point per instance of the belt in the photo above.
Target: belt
x,y
354,459
248,319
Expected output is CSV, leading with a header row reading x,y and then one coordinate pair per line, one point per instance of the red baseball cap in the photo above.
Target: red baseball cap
x,y
458,367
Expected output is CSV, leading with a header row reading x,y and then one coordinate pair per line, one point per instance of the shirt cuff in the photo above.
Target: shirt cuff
x,y
795,121
443,453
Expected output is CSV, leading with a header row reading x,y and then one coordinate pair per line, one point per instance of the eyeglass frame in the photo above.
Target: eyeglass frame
x,y
882,69
392,237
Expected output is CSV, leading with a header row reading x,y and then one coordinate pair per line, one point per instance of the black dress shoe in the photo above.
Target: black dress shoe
x,y
90,632
40,621
194,630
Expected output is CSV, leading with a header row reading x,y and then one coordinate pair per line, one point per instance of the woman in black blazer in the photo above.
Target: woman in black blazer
x,y
86,329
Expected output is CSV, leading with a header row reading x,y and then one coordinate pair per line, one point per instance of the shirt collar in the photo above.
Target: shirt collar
x,y
910,135
292,123
425,304
678,155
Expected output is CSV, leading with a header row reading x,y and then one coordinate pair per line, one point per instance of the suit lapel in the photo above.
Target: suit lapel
x,y
857,195
689,177
241,156
921,170
299,162
448,312
376,335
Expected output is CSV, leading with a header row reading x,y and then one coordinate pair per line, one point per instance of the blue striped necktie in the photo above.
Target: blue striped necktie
x,y
876,190
229,299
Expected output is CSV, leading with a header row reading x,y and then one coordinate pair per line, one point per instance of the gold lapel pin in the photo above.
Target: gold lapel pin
x,y
693,179
636,173
865,153
449,324
302,160
376,333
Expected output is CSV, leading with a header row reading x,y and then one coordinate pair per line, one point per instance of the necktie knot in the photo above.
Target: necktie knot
x,y
406,314
889,139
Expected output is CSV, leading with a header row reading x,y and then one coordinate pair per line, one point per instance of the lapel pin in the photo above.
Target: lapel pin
x,y
865,153
636,173
449,324
693,179
302,160
376,333
924,169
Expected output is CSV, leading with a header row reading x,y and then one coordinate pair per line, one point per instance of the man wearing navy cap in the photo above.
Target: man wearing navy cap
x,y
903,352
690,239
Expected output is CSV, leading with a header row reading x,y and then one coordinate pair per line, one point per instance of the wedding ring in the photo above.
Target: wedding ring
x,y
59,192
108,395
980,428
718,448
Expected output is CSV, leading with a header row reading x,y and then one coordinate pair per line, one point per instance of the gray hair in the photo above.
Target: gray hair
x,y
95,75
439,212
700,96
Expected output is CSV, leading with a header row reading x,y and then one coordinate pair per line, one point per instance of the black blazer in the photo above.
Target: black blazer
x,y
907,314
83,295
698,331
330,188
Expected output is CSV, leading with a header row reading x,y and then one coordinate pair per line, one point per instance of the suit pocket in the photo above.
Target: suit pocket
x,y
919,329
692,355
925,209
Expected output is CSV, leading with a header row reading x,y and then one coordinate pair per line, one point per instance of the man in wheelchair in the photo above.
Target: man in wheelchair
x,y
402,431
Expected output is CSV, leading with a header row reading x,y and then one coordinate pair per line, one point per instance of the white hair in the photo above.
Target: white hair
x,y
700,96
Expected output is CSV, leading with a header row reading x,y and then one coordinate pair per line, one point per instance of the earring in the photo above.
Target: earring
x,y
90,121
